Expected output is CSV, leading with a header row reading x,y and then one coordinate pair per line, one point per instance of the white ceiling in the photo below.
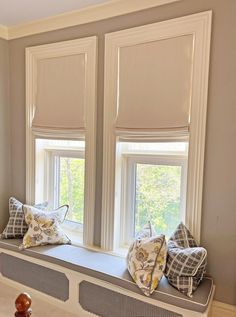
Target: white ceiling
x,y
20,11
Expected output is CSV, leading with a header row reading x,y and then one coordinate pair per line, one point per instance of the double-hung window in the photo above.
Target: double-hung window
x,y
60,131
154,127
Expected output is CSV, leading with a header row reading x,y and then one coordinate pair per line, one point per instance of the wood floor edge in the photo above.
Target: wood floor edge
x,y
220,309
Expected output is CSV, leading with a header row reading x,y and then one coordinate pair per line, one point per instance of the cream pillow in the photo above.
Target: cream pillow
x,y
44,227
146,262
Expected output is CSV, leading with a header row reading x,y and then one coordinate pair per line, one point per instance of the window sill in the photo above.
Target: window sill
x,y
77,240
112,269
75,237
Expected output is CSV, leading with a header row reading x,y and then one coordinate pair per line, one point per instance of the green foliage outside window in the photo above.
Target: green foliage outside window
x,y
157,193
72,187
158,197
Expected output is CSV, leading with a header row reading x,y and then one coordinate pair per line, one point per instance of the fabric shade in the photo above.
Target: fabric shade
x,y
154,88
60,93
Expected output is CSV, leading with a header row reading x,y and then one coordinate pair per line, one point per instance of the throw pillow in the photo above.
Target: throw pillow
x,y
16,226
146,262
147,231
186,262
44,227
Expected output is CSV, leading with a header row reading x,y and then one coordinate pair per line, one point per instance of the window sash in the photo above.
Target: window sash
x,y
54,155
52,166
128,192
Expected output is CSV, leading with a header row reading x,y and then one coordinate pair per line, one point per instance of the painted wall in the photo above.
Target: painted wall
x,y
4,132
219,203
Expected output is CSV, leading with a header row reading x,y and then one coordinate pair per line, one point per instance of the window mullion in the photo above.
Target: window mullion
x,y
130,188
183,190
56,177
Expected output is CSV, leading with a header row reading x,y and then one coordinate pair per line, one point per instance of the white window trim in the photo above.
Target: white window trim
x,y
87,46
199,25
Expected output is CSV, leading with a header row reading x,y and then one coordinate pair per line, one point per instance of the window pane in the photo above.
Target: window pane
x,y
158,197
155,147
71,187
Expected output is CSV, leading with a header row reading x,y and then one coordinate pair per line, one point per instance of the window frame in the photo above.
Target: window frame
x,y
87,46
198,25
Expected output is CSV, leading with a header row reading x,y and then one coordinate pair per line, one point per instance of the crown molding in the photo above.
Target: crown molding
x,y
3,32
91,14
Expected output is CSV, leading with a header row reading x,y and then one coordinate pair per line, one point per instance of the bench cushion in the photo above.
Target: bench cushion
x,y
112,269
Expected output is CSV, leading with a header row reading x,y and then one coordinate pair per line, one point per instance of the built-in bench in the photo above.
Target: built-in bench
x,y
104,284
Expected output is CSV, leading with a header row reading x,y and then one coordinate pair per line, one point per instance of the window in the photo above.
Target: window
x,y
60,131
154,127
152,187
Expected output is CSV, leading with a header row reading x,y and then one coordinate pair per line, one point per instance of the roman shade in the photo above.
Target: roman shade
x,y
154,85
60,93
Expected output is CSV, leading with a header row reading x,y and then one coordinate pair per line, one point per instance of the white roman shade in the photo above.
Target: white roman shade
x,y
60,93
154,85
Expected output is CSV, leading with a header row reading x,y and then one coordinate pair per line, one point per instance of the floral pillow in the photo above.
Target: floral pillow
x,y
146,262
44,227
16,226
186,262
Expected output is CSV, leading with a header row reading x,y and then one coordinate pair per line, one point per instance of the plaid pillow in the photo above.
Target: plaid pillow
x,y
186,262
16,226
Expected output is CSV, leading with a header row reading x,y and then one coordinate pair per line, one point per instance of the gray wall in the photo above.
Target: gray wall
x,y
4,132
219,197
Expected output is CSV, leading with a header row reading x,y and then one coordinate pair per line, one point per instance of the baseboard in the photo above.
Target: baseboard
x,y
222,310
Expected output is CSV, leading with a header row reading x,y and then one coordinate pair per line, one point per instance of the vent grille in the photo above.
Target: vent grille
x,y
106,303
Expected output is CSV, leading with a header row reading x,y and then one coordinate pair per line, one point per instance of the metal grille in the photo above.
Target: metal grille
x,y
106,303
36,276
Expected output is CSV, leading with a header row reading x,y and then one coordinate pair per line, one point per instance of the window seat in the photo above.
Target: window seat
x,y
112,269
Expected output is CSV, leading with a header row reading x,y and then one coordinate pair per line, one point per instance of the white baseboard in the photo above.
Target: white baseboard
x,y
222,310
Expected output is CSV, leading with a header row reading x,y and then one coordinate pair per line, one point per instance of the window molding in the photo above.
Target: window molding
x,y
199,26
87,46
